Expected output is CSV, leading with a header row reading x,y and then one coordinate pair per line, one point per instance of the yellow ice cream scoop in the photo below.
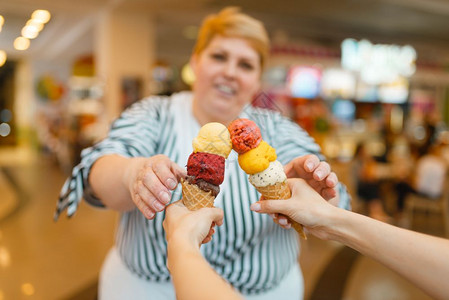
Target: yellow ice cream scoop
x,y
257,159
213,138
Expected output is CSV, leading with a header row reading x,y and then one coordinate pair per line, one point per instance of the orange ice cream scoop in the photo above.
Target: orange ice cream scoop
x,y
245,135
257,159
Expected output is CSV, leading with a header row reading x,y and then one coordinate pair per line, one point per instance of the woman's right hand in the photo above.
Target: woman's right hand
x,y
150,181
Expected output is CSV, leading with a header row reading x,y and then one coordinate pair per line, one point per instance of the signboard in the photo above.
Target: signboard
x,y
304,82
378,63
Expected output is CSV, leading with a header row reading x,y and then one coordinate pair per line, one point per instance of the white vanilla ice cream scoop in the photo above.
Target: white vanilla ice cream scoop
x,y
270,176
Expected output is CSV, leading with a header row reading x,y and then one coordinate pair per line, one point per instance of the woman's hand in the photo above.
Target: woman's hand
x,y
316,173
150,181
305,206
194,227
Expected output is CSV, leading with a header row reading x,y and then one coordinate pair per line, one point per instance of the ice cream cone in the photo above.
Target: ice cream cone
x,y
195,198
280,191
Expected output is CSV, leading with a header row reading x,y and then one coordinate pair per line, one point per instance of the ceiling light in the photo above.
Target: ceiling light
x,y
2,20
5,256
30,32
41,15
187,74
28,289
21,43
36,24
3,57
5,129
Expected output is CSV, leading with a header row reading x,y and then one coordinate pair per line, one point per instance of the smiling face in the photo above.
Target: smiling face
x,y
227,78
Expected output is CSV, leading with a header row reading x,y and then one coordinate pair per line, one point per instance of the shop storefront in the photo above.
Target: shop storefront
x,y
361,92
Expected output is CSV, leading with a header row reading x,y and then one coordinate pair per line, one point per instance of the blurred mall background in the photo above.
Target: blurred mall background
x,y
351,72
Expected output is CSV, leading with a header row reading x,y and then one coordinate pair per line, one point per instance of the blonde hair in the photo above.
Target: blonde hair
x,y
230,22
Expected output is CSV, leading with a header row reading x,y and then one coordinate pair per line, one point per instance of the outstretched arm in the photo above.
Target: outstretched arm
x,y
420,258
192,276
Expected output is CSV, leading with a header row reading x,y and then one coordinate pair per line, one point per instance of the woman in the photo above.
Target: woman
x,y
136,170
368,182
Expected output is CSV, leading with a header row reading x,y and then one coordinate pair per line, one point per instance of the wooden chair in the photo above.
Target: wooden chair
x,y
436,205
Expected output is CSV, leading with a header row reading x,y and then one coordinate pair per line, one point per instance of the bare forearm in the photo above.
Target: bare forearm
x,y
108,181
419,258
193,277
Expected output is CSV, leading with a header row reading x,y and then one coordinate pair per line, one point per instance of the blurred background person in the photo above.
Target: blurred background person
x,y
426,179
431,170
368,183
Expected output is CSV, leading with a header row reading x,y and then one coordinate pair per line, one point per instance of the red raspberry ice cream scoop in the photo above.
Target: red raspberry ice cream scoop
x,y
245,135
206,166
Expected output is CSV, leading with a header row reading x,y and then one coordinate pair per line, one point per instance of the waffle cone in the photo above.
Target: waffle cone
x,y
195,198
280,191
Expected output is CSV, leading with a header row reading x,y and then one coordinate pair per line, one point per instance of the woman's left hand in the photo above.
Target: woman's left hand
x,y
194,227
316,173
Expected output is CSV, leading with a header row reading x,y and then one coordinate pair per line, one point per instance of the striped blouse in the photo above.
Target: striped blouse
x,y
249,250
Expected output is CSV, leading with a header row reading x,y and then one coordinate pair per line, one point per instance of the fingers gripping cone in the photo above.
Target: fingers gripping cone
x,y
195,198
281,191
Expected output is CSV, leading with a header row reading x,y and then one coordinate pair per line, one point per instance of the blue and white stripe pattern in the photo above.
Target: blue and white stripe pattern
x,y
249,250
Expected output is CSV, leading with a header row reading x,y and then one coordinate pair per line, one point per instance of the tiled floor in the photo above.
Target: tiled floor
x,y
40,259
